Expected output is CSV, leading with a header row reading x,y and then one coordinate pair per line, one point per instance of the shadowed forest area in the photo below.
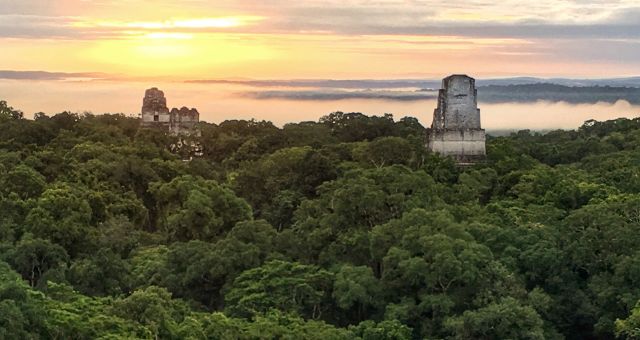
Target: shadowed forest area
x,y
345,228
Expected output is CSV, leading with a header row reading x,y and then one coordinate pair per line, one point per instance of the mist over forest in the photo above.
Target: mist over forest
x,y
499,90
523,93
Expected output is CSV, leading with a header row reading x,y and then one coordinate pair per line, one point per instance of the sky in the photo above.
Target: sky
x,y
330,39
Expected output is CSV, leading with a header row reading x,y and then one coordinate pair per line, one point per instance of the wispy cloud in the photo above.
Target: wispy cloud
x,y
496,37
326,95
329,83
44,75
507,18
419,84
83,28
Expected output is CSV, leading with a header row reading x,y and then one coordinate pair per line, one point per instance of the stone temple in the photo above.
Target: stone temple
x,y
155,113
455,130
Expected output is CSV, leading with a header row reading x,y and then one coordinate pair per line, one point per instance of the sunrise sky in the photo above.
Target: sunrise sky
x,y
192,39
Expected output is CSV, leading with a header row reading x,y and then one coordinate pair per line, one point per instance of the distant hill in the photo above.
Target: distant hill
x,y
622,82
555,92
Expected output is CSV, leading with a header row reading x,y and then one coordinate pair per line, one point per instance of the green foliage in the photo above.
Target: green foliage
x,y
8,112
24,181
104,273
286,286
152,308
345,228
506,319
62,214
276,325
21,316
356,287
193,208
71,315
385,151
38,260
200,270
629,328
369,330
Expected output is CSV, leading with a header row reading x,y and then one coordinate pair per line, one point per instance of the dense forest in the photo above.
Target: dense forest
x,y
345,228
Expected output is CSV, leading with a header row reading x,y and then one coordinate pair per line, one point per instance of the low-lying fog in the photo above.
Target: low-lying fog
x,y
219,102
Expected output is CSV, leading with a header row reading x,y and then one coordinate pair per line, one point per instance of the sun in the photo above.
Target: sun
x,y
174,54
177,46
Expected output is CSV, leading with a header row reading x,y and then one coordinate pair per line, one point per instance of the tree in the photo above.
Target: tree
x,y
506,319
73,315
102,274
356,288
24,181
21,314
277,325
62,215
297,171
388,329
629,328
290,287
39,260
154,309
194,208
385,151
8,112
200,270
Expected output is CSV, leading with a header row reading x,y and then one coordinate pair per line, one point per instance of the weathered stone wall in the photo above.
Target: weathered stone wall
x,y
154,108
457,104
455,130
460,104
184,120
161,118
156,114
462,142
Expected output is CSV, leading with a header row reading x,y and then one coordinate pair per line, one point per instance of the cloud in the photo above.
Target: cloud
x,y
82,28
503,19
325,95
43,75
575,19
36,26
329,83
558,93
417,84
524,92
406,89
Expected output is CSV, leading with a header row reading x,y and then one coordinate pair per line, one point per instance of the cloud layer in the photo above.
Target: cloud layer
x,y
504,19
326,95
43,75
524,93
576,37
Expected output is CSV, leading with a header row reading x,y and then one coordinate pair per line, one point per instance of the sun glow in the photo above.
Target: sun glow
x,y
177,46
179,54
166,35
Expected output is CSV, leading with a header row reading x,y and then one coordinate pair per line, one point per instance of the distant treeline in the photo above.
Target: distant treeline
x,y
555,93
